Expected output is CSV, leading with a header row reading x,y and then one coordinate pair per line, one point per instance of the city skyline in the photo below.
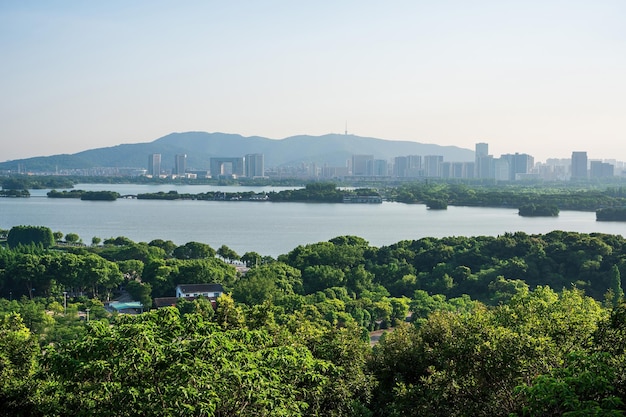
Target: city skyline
x,y
545,75
565,153
508,167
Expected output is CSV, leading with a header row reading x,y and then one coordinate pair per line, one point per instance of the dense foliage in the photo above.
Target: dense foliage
x,y
26,182
14,193
100,195
314,192
532,210
515,325
611,214
85,195
513,195
65,193
30,235
323,192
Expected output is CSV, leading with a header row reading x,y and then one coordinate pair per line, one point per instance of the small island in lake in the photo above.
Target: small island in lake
x,y
538,210
85,195
14,193
315,192
611,214
437,204
65,194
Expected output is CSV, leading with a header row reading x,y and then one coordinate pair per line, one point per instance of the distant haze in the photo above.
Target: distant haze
x,y
539,77
200,147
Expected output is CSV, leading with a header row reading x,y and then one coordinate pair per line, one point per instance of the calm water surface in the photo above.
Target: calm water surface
x,y
271,228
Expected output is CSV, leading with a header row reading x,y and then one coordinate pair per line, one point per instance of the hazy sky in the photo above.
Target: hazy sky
x,y
539,77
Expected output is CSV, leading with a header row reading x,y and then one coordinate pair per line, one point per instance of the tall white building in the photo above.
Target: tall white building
x,y
579,165
483,165
254,165
407,166
362,164
180,164
432,165
154,164
379,168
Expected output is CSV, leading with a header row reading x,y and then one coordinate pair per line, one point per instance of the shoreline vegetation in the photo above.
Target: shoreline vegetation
x,y
532,210
609,214
85,195
514,325
530,200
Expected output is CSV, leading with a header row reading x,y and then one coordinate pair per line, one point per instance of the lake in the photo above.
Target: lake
x,y
271,228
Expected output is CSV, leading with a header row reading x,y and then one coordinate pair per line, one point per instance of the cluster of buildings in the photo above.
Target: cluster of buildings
x,y
521,166
251,166
508,167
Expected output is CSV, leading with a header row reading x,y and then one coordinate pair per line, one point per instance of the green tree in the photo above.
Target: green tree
x,y
583,386
469,363
318,277
267,282
96,272
201,305
141,292
254,289
28,272
161,364
167,245
616,285
227,253
251,259
19,353
72,238
160,273
194,250
29,235
118,241
64,268
131,268
228,315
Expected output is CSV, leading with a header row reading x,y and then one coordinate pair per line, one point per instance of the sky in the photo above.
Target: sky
x,y
539,77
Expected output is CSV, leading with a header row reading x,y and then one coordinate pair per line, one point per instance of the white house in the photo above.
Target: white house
x,y
212,291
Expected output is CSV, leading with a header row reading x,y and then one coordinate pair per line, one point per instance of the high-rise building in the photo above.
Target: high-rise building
x,y
254,165
599,169
432,165
501,169
483,165
579,165
180,164
519,163
407,166
400,164
461,170
445,170
415,166
522,164
154,164
361,163
379,168
481,149
226,166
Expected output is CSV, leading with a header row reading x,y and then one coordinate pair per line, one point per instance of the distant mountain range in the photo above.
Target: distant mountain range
x,y
331,149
